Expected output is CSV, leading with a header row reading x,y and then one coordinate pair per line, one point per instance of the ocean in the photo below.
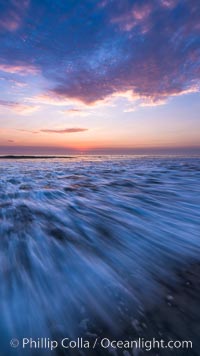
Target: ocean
x,y
91,245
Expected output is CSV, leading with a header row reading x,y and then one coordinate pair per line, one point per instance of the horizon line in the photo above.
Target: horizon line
x,y
55,151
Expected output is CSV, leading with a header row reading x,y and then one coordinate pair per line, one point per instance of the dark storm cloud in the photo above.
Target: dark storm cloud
x,y
91,49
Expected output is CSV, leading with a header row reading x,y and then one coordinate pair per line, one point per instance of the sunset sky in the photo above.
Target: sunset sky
x,y
105,75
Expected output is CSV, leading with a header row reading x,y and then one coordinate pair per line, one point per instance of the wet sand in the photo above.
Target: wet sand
x,y
177,317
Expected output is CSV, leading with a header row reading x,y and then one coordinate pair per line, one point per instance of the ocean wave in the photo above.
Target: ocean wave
x,y
86,243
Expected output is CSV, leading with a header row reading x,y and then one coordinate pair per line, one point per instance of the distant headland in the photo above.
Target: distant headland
x,y
33,157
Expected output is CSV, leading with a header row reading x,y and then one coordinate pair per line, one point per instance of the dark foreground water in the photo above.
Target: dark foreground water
x,y
91,246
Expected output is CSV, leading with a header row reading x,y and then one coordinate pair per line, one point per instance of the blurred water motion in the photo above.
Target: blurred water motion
x,y
87,242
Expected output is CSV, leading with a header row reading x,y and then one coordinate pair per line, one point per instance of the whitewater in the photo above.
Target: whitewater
x,y
87,242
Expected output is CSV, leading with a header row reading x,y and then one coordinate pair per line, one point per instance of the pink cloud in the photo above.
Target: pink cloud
x,y
170,4
137,15
142,12
10,25
25,109
19,69
28,131
11,19
60,131
20,108
63,131
76,112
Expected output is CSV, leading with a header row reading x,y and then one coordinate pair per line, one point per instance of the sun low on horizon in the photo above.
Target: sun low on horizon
x,y
107,75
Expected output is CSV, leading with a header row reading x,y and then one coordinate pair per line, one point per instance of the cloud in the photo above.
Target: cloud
x,y
50,98
25,109
152,103
159,60
12,14
7,103
94,51
19,69
169,3
19,108
63,131
133,16
76,112
28,131
73,111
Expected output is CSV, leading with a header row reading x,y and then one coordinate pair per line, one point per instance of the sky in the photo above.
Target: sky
x,y
99,76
